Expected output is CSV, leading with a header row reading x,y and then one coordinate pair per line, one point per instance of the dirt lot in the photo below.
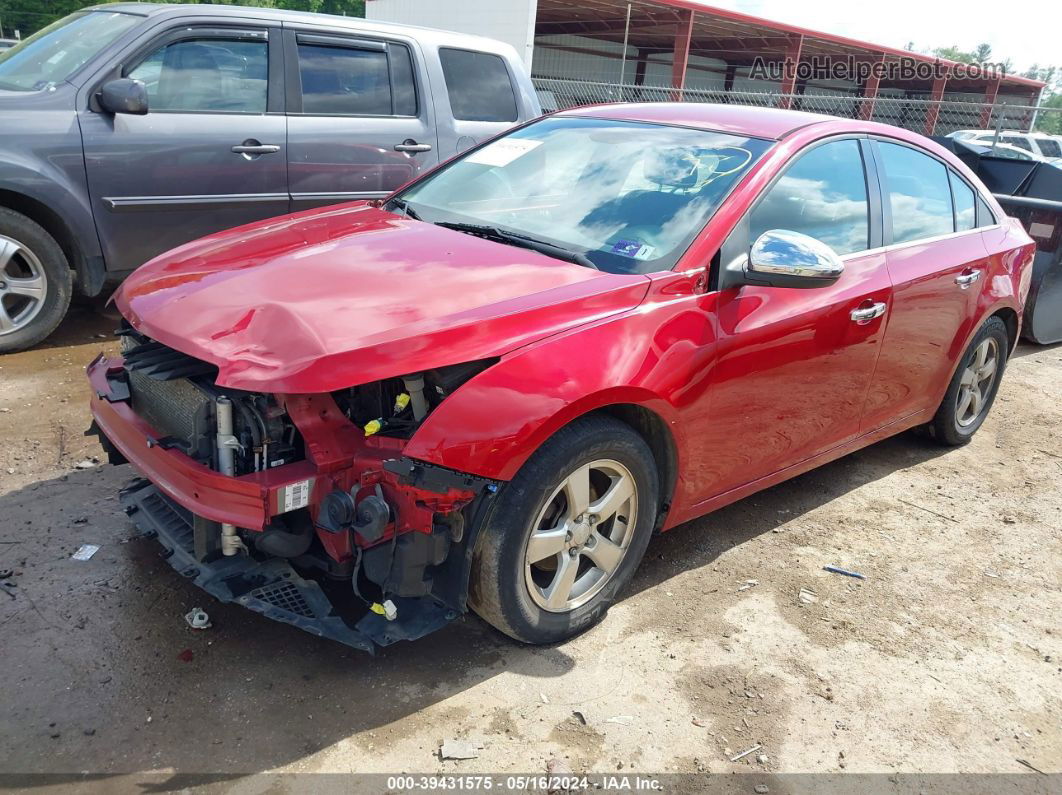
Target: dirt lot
x,y
948,657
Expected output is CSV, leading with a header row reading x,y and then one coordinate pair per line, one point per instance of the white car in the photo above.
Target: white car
x,y
1043,146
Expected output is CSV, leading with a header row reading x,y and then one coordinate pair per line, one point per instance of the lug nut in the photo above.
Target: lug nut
x,y
574,552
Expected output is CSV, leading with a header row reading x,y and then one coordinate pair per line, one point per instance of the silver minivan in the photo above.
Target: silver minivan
x,y
129,129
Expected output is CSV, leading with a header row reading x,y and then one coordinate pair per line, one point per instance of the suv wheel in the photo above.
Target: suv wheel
x,y
35,282
567,533
974,386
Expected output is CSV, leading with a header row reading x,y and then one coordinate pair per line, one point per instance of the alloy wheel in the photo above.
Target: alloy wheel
x,y
581,536
976,384
23,286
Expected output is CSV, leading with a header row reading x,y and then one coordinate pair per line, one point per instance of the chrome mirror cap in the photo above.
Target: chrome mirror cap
x,y
793,255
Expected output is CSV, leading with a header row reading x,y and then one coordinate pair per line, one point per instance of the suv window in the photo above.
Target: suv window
x,y
207,75
1049,147
919,194
963,196
823,195
479,86
350,81
55,53
1017,140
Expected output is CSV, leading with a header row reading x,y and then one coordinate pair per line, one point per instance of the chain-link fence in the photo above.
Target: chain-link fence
x,y
910,113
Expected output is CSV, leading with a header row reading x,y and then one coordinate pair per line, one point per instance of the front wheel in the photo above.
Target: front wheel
x,y
567,533
974,386
35,282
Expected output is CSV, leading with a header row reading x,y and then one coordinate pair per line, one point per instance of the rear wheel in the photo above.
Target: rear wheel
x,y
567,533
35,282
974,386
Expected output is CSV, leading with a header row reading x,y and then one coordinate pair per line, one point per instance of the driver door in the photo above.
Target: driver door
x,y
209,154
794,364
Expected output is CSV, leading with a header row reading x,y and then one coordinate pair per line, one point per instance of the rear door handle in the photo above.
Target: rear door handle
x,y
868,313
965,279
409,145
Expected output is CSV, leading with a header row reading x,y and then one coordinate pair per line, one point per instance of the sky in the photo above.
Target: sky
x,y
1029,36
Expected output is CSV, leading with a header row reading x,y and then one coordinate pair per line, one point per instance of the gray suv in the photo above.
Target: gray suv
x,y
129,129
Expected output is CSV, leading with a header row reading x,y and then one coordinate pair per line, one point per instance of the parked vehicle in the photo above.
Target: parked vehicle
x,y
490,389
6,44
128,129
1040,145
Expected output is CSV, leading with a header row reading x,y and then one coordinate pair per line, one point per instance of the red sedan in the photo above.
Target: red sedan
x,y
490,389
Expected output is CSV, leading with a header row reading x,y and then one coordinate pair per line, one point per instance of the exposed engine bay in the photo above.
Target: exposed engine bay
x,y
356,541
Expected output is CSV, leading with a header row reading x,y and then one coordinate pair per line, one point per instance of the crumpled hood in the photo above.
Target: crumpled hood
x,y
332,298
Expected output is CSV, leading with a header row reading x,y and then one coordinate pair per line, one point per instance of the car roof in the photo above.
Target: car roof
x,y
359,24
748,120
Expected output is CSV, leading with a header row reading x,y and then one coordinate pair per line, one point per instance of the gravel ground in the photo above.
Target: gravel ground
x,y
946,658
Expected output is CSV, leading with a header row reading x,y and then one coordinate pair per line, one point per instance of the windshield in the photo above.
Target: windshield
x,y
53,54
627,196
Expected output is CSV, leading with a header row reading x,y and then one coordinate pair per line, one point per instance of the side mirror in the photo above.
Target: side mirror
x,y
783,258
124,95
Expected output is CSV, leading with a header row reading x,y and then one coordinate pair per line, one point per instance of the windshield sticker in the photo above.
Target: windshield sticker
x,y
633,249
503,152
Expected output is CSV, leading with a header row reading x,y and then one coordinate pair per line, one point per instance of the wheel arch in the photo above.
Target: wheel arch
x,y
87,265
1009,316
657,435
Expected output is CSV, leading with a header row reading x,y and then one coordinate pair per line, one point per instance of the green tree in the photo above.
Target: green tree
x,y
953,53
982,53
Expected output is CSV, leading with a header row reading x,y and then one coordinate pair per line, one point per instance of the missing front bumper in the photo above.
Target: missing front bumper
x,y
272,587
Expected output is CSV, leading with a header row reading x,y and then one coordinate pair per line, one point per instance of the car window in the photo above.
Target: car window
x,y
1019,141
823,195
1050,147
919,194
55,53
963,196
207,75
479,86
1008,153
349,81
985,216
628,196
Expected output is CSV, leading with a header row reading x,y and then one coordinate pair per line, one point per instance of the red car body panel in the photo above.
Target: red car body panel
x,y
752,384
307,303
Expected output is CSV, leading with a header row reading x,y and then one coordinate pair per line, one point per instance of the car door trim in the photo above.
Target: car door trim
x,y
341,196
133,204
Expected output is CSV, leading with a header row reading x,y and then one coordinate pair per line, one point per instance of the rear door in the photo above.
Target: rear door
x,y
481,96
208,155
937,262
360,116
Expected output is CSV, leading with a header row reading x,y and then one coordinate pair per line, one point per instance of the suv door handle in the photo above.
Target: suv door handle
x,y
252,147
409,145
866,314
967,278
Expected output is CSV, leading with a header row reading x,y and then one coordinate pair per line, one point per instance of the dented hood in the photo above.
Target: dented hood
x,y
342,296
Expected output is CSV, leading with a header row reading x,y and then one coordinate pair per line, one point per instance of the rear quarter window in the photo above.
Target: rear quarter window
x,y
479,86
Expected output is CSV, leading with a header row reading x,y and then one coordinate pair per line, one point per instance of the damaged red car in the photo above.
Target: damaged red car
x,y
490,389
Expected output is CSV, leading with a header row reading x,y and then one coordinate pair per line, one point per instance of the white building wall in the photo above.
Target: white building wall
x,y
511,21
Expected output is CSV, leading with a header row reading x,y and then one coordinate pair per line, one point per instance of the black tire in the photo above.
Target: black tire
x,y
499,590
947,426
42,248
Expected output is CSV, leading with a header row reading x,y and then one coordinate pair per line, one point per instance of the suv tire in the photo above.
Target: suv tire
x,y
30,260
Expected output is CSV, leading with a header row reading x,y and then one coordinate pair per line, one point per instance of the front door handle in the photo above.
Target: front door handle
x,y
252,148
865,314
409,145
966,278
